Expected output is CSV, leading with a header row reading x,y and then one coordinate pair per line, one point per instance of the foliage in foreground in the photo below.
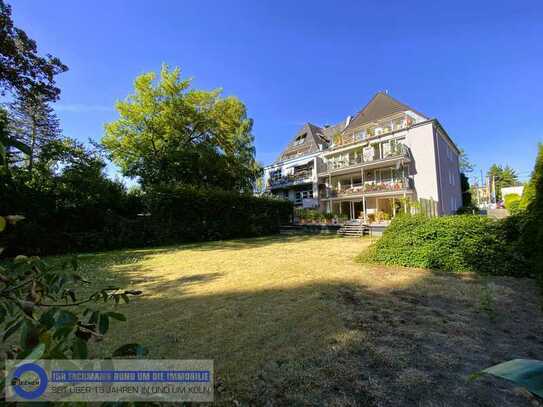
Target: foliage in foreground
x,y
527,373
461,243
42,304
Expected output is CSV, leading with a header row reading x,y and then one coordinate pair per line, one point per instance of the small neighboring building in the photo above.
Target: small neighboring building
x,y
369,164
512,190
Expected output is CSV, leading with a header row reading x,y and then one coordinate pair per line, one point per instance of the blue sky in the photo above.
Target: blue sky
x,y
476,66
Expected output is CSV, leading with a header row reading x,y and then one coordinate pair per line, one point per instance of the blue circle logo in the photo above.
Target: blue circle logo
x,y
40,381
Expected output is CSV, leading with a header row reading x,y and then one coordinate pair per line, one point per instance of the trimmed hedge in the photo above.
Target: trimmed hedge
x,y
190,214
185,214
459,243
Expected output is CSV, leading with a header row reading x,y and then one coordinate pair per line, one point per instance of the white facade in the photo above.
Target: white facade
x,y
512,190
369,170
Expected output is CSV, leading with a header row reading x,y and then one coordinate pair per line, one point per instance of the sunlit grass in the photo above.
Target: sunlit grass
x,y
303,312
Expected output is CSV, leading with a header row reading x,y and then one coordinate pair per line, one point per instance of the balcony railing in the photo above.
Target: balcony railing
x,y
371,187
397,151
299,177
379,128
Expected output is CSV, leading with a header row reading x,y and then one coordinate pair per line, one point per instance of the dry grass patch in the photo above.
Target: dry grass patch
x,y
296,320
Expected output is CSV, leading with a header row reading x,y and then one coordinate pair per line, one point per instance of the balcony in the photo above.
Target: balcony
x,y
301,177
371,188
376,129
370,155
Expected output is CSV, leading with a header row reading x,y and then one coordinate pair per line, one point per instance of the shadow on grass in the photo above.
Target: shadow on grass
x,y
333,343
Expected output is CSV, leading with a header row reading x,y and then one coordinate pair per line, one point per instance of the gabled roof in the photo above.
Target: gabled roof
x,y
379,106
314,136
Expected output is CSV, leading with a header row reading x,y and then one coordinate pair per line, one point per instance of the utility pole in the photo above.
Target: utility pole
x,y
494,195
480,191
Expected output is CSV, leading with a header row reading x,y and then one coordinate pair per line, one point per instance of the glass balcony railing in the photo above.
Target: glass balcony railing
x,y
371,187
299,177
368,156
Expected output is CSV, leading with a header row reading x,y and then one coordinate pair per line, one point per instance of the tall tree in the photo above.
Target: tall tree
x,y
502,177
466,166
168,132
22,69
34,123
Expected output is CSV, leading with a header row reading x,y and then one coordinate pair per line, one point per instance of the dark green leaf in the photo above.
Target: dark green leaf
x,y
37,352
65,318
3,314
12,327
103,325
94,317
79,349
48,318
117,316
527,373
63,331
29,335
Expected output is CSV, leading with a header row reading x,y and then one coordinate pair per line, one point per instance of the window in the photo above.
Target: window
x,y
275,175
451,177
300,139
301,195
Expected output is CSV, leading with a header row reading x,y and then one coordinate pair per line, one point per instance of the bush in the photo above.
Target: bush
x,y
187,214
531,239
181,215
512,203
468,210
462,243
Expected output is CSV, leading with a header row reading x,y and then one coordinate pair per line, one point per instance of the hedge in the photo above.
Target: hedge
x,y
174,216
191,214
459,243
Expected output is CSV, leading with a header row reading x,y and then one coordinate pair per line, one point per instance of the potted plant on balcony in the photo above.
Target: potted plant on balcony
x,y
302,216
328,217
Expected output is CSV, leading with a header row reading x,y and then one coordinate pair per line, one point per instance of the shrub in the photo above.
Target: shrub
x,y
468,210
512,202
463,243
180,215
531,239
186,214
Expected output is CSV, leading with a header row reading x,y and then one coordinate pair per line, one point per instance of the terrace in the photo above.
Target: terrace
x,y
371,188
365,156
300,175
375,129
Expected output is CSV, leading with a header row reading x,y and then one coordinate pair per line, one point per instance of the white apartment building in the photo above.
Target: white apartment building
x,y
369,165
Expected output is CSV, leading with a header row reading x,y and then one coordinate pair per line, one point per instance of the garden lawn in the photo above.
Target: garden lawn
x,y
297,320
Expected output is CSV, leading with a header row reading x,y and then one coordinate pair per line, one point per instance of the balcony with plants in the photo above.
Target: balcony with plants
x,y
375,129
371,187
300,175
367,155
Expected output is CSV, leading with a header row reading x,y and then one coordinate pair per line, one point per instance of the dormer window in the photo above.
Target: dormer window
x,y
300,139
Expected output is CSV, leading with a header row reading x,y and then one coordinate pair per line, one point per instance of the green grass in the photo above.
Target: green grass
x,y
296,320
